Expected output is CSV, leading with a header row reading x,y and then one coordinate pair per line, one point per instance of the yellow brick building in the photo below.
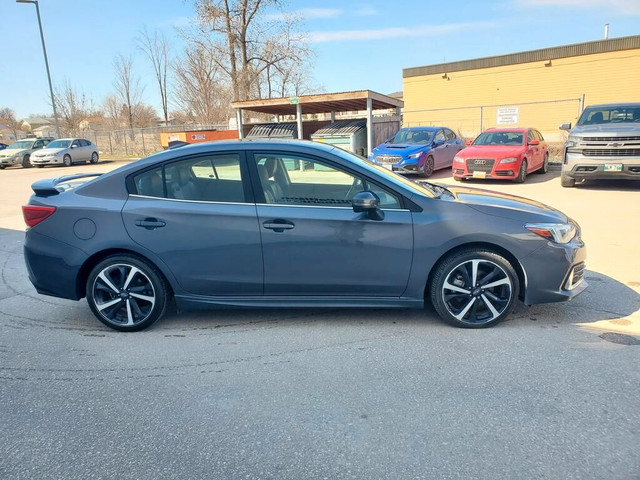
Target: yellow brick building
x,y
538,88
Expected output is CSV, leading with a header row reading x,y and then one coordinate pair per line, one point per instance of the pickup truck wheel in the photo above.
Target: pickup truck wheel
x,y
474,288
545,165
427,168
567,181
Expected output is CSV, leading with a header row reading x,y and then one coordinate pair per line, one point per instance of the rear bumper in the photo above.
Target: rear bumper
x,y
555,273
53,266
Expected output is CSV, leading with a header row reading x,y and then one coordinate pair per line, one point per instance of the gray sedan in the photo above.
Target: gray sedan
x,y
19,152
66,151
292,224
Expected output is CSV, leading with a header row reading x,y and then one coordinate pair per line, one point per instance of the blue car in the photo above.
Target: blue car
x,y
420,150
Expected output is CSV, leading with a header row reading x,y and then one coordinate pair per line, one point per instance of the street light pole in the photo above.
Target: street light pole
x,y
46,62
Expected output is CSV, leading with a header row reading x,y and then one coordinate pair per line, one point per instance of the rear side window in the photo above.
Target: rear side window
x,y
203,179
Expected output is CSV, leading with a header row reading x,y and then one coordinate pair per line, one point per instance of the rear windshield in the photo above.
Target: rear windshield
x,y
500,138
610,114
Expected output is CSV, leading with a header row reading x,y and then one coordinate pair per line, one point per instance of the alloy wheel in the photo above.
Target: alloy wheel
x,y
477,291
123,295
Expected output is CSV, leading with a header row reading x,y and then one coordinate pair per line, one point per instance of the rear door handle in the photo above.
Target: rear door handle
x,y
278,225
150,223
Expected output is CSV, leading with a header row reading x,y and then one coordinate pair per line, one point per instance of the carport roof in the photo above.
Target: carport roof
x,y
323,103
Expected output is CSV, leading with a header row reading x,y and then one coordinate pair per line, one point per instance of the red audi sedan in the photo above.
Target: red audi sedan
x,y
503,153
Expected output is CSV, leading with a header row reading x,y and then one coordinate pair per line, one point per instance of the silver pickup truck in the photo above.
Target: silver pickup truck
x,y
604,144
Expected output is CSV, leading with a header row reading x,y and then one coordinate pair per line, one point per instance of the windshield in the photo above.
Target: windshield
x,y
610,114
500,138
412,136
383,172
59,144
22,144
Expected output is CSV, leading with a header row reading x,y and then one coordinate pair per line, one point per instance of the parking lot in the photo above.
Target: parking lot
x,y
550,393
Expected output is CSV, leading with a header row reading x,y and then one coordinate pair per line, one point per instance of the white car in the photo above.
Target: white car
x,y
66,151
19,153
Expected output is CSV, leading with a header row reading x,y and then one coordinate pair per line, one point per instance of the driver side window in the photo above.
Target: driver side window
x,y
288,180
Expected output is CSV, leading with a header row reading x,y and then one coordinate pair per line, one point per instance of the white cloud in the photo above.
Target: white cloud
x,y
627,7
394,32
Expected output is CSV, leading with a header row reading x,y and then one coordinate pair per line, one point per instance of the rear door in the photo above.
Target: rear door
x,y
313,243
197,214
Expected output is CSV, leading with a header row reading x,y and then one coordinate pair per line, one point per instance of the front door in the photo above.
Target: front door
x,y
202,223
313,243
440,150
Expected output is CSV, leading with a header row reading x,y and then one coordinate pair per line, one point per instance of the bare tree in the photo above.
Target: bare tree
x,y
248,47
156,49
73,107
128,88
201,91
8,117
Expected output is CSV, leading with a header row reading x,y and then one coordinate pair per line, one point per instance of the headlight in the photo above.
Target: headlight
x,y
413,156
556,232
458,159
572,141
509,160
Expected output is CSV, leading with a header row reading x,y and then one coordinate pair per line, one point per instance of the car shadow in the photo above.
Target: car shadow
x,y
609,185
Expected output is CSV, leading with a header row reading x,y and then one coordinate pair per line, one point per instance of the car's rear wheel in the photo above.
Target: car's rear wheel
x,y
522,174
26,163
567,181
474,288
94,157
126,293
427,168
66,160
545,165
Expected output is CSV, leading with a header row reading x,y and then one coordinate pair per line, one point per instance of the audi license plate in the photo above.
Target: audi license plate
x,y
612,167
477,174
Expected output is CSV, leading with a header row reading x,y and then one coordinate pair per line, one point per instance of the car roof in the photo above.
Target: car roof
x,y
422,128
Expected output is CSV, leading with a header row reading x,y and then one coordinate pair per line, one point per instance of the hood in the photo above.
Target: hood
x,y
10,152
505,205
492,151
611,129
47,151
403,149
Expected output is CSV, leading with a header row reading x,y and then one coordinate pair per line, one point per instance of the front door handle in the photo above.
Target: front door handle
x,y
278,225
150,223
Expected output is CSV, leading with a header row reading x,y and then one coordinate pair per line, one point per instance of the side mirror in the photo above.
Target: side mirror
x,y
534,142
73,146
468,142
369,203
565,126
438,143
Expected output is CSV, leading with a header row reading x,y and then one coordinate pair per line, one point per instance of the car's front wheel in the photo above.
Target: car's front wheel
x,y
567,181
66,160
126,293
427,168
474,288
522,174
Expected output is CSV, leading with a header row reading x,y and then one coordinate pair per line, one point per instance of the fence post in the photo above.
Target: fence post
x,y
581,104
124,136
110,145
144,149
95,137
481,118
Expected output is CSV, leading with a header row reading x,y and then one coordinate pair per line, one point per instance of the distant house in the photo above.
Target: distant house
x,y
44,131
32,123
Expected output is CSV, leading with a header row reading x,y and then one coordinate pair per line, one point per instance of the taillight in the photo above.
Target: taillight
x,y
34,214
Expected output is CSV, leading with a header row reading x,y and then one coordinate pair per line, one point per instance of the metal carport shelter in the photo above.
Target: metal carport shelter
x,y
324,103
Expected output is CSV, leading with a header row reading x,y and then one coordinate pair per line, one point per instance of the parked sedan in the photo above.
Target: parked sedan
x,y
240,223
420,150
503,153
19,152
66,151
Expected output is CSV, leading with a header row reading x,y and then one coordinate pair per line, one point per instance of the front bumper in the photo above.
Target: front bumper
x,y
507,171
7,161
45,160
579,166
554,272
403,166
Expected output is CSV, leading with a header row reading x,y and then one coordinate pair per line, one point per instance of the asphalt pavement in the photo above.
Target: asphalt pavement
x,y
338,394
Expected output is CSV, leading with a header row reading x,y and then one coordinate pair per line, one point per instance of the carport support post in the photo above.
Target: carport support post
x,y
239,123
299,120
333,116
369,126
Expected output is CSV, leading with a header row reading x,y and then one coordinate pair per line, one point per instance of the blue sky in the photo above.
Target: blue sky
x,y
358,44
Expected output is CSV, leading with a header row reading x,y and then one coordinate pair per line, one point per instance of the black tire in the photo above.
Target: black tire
x,y
115,303
94,157
545,165
1,167
66,160
427,168
463,302
567,181
522,174
26,163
